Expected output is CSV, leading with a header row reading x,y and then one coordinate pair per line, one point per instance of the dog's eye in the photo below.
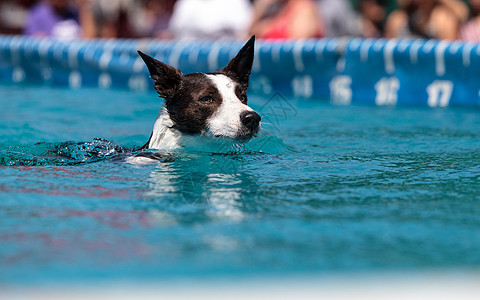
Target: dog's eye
x,y
207,100
243,98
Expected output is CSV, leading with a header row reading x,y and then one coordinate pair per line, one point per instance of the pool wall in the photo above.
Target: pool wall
x,y
345,71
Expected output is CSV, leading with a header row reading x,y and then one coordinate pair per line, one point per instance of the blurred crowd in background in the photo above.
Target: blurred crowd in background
x,y
238,19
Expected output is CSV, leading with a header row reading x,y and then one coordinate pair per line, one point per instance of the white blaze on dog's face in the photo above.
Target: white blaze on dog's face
x,y
233,118
214,103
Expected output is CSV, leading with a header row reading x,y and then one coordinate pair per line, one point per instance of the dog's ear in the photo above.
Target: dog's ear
x,y
240,67
167,79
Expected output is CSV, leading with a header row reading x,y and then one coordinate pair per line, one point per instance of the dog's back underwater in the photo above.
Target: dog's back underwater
x,y
208,104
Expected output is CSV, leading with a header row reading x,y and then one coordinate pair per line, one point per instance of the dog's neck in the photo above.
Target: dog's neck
x,y
164,135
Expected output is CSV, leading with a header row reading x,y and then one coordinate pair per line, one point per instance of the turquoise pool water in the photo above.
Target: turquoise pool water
x,y
328,189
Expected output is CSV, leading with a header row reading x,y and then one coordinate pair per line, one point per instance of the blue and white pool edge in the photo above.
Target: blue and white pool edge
x,y
346,71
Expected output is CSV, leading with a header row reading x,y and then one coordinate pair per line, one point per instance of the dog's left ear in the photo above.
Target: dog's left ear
x,y
240,67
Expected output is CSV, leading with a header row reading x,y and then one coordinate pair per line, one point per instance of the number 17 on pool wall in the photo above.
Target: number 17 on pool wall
x,y
439,93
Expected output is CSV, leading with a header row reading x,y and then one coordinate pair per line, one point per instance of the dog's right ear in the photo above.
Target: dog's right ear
x,y
167,79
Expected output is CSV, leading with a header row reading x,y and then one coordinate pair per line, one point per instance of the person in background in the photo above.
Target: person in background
x,y
152,18
13,14
210,19
339,18
286,19
61,20
470,31
430,19
113,18
373,15
458,7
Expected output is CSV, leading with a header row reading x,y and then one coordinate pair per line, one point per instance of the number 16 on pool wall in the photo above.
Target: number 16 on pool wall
x,y
387,91
341,90
439,93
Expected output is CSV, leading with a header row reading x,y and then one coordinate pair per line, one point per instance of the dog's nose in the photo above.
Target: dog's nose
x,y
250,119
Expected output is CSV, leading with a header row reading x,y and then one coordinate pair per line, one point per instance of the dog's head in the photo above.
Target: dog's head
x,y
214,103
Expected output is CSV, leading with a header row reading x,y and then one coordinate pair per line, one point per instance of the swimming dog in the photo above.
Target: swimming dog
x,y
207,104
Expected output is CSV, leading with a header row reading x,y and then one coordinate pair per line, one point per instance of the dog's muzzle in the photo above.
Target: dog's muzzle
x,y
251,125
251,120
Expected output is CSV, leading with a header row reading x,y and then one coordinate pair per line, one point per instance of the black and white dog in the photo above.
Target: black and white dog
x,y
208,104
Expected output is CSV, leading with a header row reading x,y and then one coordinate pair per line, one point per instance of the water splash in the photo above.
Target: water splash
x,y
61,154
77,153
